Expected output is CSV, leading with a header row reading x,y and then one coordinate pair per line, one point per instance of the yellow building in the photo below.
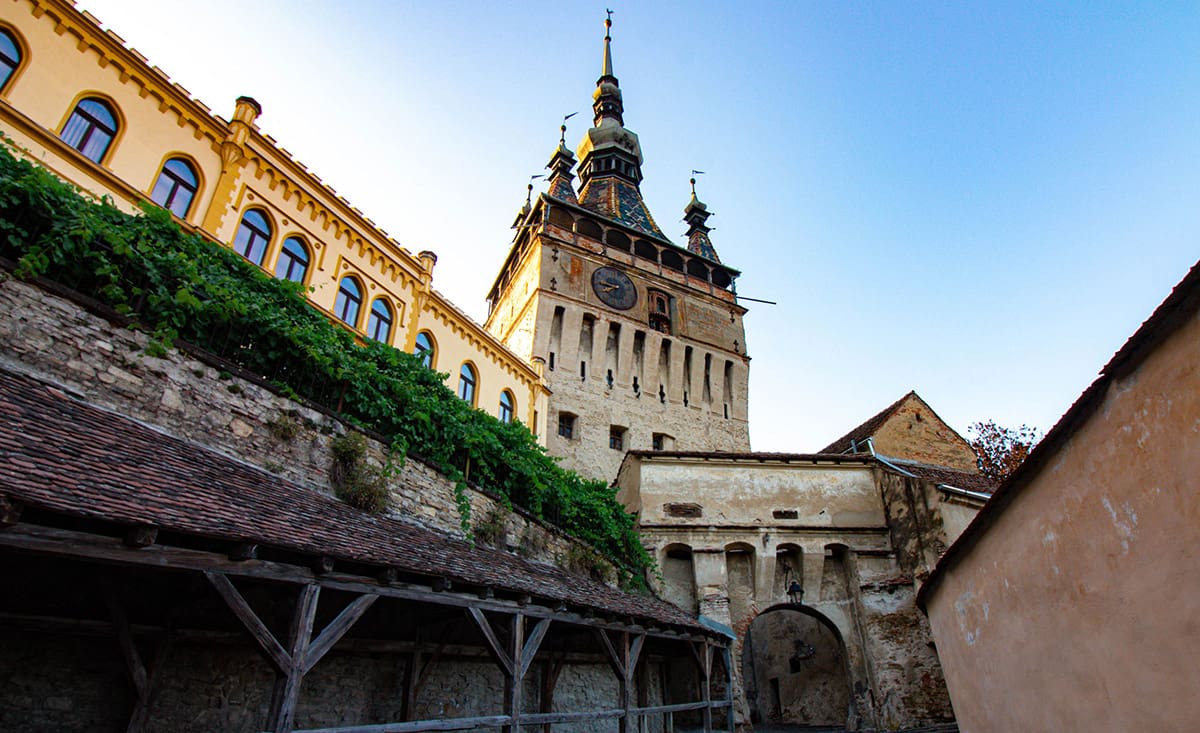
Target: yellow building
x,y
95,112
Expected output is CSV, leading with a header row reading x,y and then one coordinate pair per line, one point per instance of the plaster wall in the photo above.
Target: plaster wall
x,y
916,433
1080,599
751,492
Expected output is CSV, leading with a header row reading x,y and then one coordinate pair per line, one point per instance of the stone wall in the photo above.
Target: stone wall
x,y
61,683
239,416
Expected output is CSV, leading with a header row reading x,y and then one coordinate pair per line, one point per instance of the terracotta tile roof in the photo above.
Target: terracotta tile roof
x,y
867,429
60,454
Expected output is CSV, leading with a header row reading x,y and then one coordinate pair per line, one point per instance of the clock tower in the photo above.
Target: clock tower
x,y
640,340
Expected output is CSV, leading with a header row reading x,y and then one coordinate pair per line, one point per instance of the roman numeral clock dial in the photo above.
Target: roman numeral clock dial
x,y
614,288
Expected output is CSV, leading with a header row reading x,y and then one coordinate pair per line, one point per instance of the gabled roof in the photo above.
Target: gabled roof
x,y
1182,305
858,435
62,455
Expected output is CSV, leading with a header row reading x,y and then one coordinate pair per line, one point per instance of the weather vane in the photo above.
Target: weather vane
x,y
694,174
562,138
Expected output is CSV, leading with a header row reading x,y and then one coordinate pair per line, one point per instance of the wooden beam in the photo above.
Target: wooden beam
x,y
140,717
337,628
10,512
140,536
97,548
614,659
531,646
133,660
282,715
271,647
244,551
490,721
499,653
707,690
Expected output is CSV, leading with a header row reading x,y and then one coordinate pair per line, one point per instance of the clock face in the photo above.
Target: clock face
x,y
614,288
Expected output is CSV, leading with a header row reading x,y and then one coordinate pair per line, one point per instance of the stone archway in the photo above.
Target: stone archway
x,y
795,669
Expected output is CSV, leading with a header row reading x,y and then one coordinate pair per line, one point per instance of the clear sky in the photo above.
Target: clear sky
x,y
978,201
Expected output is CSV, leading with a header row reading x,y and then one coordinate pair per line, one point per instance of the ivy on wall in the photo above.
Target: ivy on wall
x,y
177,285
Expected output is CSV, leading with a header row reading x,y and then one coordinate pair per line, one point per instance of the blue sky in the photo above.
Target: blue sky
x,y
979,201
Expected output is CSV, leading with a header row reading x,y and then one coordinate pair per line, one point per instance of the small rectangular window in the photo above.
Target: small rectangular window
x,y
616,438
566,425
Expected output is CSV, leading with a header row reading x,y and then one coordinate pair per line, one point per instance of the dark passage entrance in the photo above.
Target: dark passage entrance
x,y
794,668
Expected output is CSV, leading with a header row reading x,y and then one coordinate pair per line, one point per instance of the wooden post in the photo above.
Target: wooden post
x,y
708,659
624,663
514,660
551,669
303,651
287,682
139,679
727,655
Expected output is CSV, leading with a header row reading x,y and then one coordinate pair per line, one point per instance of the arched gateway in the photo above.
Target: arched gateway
x,y
795,669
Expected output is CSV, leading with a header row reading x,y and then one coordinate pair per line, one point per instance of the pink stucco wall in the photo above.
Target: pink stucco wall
x,y
1079,607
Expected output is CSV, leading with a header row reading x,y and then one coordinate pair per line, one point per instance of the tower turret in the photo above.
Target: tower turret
x,y
696,215
561,166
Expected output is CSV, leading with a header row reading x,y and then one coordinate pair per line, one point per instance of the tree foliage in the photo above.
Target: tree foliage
x,y
1001,450
181,286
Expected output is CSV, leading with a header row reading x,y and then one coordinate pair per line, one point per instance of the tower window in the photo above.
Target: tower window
x,y
91,128
616,437
662,441
660,311
566,425
176,187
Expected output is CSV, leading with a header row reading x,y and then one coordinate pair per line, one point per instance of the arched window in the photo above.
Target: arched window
x,y
293,260
379,323
176,187
91,128
507,406
252,236
467,381
349,298
424,349
10,57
